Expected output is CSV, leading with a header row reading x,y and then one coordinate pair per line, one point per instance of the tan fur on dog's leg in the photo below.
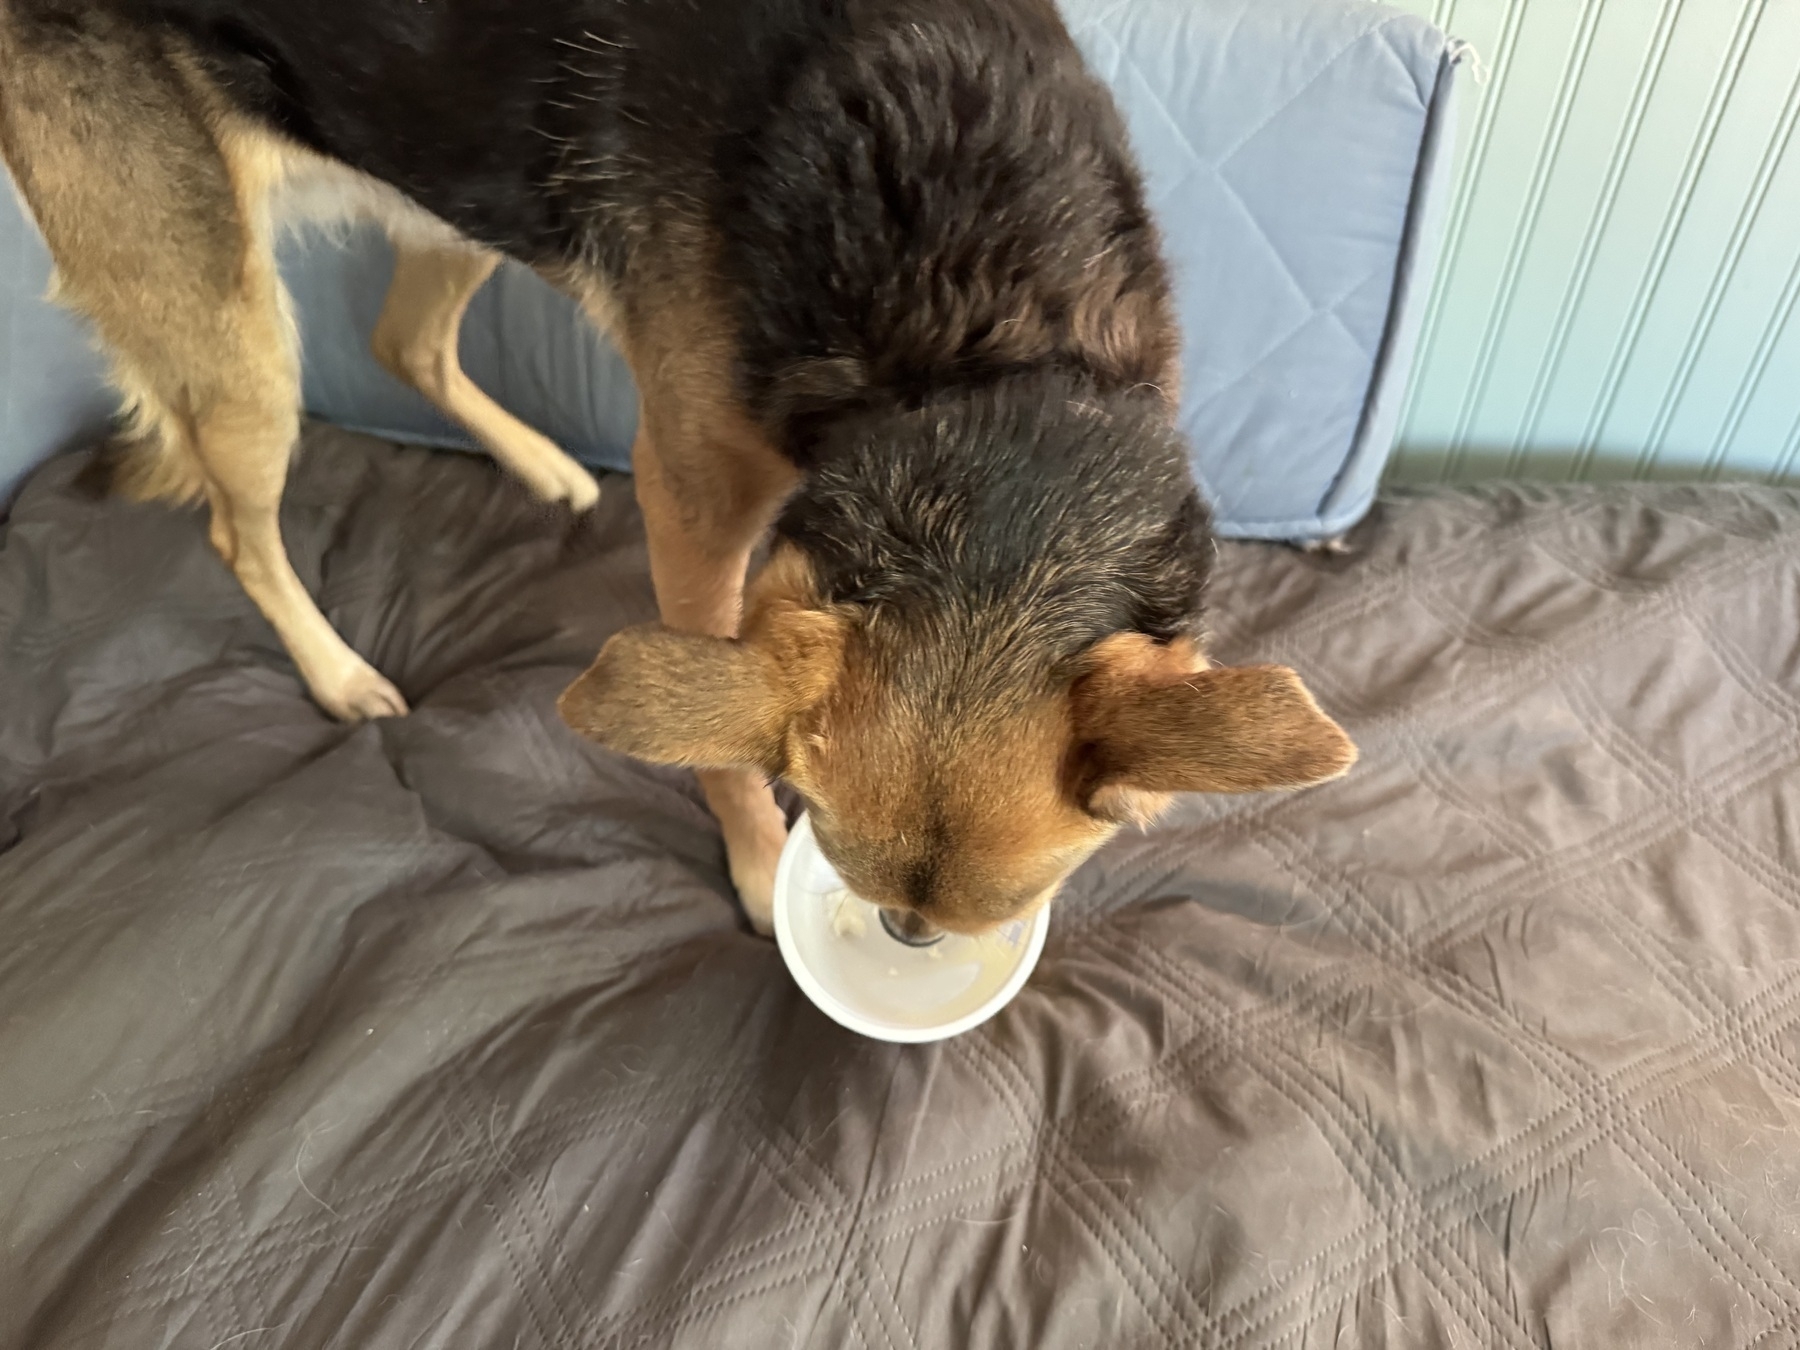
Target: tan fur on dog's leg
x,y
415,339
243,435
243,449
155,207
755,832
700,544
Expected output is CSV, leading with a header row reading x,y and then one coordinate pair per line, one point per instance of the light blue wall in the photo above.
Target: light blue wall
x,y
1622,264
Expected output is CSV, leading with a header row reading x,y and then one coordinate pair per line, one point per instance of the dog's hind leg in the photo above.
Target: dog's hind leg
x,y
416,340
155,206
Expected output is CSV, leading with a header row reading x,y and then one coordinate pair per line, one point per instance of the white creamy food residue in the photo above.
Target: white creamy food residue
x,y
847,919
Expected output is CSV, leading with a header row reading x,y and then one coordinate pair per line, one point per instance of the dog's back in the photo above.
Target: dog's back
x,y
898,194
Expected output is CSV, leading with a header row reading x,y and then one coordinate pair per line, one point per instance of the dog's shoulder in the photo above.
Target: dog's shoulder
x,y
942,195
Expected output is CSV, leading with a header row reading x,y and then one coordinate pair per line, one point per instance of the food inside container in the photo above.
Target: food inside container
x,y
889,976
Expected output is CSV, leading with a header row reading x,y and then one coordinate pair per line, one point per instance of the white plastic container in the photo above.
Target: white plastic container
x,y
862,977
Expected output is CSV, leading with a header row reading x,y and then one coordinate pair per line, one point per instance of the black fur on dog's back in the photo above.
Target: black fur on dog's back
x,y
906,195
939,199
913,204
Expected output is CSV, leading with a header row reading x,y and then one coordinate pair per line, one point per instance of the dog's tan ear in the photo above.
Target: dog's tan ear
x,y
706,702
1222,729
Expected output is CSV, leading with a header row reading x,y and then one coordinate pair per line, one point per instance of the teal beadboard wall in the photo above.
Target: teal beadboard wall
x,y
1618,290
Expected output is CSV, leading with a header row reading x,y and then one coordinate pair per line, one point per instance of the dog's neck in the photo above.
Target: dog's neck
x,y
1020,521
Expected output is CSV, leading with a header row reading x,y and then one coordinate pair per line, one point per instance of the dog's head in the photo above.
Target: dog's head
x,y
940,780
971,652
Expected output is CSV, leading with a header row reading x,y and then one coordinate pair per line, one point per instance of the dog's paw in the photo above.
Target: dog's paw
x,y
358,693
555,477
583,493
574,485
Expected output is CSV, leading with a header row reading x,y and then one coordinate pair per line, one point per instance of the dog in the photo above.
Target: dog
x,y
887,281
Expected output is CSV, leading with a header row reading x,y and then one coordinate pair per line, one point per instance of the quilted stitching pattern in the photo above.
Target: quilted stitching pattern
x,y
443,1031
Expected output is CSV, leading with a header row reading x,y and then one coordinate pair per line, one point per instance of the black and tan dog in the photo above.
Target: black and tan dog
x,y
885,276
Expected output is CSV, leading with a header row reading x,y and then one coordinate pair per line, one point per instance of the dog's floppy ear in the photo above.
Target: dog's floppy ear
x,y
1150,730
708,702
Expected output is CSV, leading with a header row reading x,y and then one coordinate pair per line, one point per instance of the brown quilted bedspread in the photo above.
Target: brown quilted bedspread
x,y
445,1032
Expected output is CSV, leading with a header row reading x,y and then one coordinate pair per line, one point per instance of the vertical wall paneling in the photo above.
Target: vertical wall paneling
x,y
1623,145
1477,132
1549,144
1620,287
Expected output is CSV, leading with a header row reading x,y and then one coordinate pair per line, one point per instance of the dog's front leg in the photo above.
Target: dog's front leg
x,y
705,509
